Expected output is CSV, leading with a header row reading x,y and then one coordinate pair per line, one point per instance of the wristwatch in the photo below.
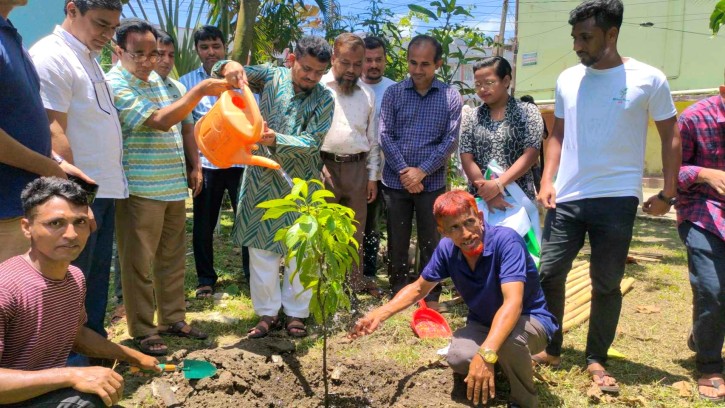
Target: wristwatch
x,y
668,200
488,355
57,158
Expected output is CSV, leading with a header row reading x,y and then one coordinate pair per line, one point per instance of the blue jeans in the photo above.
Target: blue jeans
x,y
609,222
706,263
62,398
95,263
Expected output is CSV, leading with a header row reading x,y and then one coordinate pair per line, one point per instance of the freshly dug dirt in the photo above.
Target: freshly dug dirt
x,y
270,373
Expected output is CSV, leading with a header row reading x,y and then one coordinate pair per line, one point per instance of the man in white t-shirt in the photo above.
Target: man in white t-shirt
x,y
372,76
596,156
85,129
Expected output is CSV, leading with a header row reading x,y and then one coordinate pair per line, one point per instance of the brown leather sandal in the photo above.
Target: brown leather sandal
x,y
145,344
176,330
295,327
265,325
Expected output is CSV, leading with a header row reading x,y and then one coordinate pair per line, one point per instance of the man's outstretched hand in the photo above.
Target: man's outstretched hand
x,y
366,325
480,380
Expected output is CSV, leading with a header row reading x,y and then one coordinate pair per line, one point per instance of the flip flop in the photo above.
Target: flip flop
x,y
714,383
610,389
144,344
175,330
266,324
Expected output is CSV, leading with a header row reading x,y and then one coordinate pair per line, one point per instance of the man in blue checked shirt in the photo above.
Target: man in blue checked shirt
x,y
419,122
211,47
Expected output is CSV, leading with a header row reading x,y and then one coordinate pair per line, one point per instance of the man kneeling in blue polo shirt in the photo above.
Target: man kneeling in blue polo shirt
x,y
497,278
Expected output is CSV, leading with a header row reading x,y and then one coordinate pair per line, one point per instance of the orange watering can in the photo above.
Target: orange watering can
x,y
227,134
427,323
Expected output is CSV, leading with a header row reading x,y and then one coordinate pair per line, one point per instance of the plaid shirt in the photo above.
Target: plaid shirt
x,y
190,80
702,129
152,159
419,131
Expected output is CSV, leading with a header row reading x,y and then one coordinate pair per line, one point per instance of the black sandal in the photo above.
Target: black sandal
x,y
204,292
265,325
145,344
295,327
175,330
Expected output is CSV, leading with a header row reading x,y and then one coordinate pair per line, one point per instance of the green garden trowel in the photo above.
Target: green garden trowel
x,y
192,369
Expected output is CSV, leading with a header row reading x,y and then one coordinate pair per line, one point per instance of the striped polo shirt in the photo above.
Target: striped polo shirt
x,y
39,317
152,159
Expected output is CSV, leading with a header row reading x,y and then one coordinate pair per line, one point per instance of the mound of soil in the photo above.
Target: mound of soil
x,y
270,373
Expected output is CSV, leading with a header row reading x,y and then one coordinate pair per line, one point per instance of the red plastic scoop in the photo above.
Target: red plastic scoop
x,y
427,323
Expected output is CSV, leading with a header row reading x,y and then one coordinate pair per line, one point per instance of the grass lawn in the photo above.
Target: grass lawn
x,y
654,342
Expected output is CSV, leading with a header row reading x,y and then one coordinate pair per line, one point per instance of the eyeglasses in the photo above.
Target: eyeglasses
x,y
486,85
139,58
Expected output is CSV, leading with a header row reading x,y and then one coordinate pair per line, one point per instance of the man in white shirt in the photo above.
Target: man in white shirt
x,y
596,156
85,129
372,76
350,152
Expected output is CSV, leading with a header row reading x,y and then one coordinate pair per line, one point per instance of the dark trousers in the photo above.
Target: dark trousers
x,y
706,263
95,263
609,222
371,237
206,213
401,205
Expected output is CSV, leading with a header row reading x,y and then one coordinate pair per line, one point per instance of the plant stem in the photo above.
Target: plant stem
x,y
321,302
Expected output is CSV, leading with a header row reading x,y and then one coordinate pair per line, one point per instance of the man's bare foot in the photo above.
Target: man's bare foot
x,y
711,387
545,359
602,378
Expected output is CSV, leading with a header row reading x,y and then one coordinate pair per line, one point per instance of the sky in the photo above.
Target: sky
x,y
486,14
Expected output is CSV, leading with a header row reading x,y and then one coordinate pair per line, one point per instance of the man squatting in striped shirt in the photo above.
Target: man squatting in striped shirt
x,y
42,311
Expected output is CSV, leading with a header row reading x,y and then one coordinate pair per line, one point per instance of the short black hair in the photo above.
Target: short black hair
x,y
208,32
500,66
165,38
132,25
606,13
314,46
84,5
528,98
372,42
422,38
42,189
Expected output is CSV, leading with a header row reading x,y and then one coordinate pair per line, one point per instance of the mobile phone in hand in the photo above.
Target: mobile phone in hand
x,y
90,189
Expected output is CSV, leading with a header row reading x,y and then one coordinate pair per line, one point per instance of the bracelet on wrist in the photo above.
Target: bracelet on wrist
x,y
57,158
499,185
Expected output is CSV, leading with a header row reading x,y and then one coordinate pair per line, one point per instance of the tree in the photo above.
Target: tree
x,y
322,244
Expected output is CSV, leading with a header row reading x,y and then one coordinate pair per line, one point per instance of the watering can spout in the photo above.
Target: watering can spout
x,y
227,133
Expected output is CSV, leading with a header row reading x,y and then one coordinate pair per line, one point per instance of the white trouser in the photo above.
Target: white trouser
x,y
267,298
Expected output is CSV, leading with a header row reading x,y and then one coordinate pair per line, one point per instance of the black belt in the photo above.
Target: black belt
x,y
343,158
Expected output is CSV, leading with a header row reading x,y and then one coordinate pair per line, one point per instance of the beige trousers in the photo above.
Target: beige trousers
x,y
151,252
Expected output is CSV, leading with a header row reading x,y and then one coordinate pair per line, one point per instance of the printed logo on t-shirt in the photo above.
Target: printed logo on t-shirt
x,y
622,99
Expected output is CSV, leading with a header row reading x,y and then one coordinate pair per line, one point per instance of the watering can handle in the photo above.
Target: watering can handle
x,y
422,305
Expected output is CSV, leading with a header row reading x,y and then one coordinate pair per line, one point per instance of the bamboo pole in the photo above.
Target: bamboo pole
x,y
578,288
575,282
573,321
577,274
568,325
576,312
572,304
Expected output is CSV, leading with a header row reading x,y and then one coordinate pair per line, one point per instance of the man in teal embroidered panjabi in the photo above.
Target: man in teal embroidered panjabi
x,y
298,113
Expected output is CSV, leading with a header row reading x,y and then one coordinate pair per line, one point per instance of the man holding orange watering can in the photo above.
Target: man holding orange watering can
x,y
494,273
298,111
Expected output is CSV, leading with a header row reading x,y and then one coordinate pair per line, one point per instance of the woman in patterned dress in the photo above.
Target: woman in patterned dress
x,y
501,129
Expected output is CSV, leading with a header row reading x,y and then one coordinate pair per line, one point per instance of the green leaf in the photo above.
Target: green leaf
x,y
274,213
717,17
278,202
320,195
422,10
